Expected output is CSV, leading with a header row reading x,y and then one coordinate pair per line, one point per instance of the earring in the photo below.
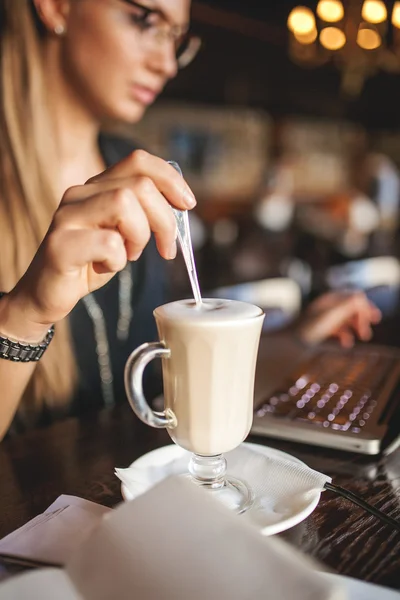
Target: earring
x,y
59,29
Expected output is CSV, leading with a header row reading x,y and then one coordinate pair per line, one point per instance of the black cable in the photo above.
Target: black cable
x,y
368,507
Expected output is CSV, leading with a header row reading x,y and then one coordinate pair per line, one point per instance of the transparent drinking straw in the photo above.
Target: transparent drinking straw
x,y
185,241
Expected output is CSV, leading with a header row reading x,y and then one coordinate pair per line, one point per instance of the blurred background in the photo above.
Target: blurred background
x,y
286,127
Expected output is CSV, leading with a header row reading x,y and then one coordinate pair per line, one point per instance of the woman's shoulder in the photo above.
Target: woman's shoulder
x,y
114,147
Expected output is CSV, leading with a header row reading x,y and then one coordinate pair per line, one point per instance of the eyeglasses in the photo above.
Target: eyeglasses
x,y
154,28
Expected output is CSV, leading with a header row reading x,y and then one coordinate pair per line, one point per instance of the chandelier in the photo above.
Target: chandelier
x,y
360,36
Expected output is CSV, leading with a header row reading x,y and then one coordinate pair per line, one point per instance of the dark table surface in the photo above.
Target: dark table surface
x,y
78,456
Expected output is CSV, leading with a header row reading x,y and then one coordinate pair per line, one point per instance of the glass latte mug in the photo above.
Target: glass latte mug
x,y
209,354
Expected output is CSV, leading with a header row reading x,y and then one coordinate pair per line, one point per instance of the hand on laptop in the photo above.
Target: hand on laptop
x,y
341,315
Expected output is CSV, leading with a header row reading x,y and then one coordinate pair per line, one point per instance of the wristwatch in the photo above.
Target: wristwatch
x,y
22,352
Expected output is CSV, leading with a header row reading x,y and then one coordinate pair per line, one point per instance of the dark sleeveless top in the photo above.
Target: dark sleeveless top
x,y
148,292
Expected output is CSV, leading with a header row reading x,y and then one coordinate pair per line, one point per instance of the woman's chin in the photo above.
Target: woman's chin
x,y
131,113
127,113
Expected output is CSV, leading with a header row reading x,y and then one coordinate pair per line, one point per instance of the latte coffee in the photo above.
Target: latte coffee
x,y
209,377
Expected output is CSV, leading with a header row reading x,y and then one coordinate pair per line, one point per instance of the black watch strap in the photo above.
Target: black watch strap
x,y
22,352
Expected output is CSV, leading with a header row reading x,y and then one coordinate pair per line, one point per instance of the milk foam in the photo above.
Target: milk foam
x,y
211,309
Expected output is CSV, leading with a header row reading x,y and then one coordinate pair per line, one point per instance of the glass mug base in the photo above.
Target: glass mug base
x,y
210,472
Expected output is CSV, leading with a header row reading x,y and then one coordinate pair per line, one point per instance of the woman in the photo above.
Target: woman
x,y
67,66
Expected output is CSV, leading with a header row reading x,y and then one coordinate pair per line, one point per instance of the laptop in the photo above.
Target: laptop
x,y
336,398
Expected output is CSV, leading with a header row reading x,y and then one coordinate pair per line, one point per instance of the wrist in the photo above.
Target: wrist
x,y
16,322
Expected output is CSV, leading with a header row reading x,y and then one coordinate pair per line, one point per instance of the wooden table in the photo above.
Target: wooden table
x,y
78,457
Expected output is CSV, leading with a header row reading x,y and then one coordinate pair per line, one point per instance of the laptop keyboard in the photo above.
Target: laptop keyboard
x,y
336,391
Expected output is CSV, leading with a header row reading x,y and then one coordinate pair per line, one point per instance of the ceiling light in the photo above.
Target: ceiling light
x,y
396,15
332,38
374,11
301,20
368,38
306,38
330,10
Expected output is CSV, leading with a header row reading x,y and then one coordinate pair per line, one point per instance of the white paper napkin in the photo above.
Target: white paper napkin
x,y
283,486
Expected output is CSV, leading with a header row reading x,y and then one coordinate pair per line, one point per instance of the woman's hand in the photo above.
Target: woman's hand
x,y
97,228
342,315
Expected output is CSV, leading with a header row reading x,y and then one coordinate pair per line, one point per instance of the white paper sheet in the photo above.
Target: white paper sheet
x,y
52,536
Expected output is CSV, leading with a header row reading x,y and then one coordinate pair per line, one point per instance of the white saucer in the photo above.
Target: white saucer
x,y
166,454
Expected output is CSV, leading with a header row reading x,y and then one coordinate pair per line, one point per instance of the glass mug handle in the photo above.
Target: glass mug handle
x,y
134,368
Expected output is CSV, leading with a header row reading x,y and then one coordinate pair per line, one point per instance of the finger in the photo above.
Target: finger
x,y
134,213
351,310
361,327
375,313
345,337
157,215
114,209
167,180
365,314
359,321
103,249
160,216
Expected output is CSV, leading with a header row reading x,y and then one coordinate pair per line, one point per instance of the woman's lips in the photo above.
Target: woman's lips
x,y
143,94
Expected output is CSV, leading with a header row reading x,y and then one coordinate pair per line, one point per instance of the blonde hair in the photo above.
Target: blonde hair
x,y
28,168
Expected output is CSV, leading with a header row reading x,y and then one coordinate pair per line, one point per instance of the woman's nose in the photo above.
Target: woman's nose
x,y
164,61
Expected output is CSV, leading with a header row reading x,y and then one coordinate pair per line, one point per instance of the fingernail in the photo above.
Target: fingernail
x,y
136,256
172,252
189,199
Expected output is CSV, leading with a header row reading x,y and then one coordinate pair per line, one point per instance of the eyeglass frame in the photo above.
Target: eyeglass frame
x,y
173,34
